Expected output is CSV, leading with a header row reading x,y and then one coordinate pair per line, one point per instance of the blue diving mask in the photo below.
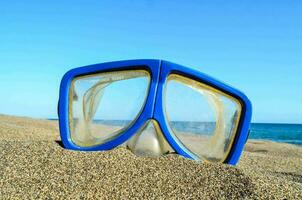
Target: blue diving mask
x,y
153,107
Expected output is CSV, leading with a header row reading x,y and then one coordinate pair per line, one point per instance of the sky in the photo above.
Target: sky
x,y
255,46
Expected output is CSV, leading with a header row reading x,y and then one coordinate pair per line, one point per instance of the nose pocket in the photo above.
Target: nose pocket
x,y
149,141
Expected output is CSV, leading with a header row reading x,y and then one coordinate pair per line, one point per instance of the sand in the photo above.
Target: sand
x,y
33,165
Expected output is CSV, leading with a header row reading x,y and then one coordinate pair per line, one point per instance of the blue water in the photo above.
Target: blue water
x,y
287,133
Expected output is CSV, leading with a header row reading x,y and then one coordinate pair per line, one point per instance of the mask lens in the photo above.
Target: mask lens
x,y
203,119
101,106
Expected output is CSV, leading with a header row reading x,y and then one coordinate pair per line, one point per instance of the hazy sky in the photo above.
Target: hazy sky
x,y
255,46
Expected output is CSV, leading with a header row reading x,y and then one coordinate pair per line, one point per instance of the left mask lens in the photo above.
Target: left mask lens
x,y
103,105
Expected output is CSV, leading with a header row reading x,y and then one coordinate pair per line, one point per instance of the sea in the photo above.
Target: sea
x,y
288,133
285,133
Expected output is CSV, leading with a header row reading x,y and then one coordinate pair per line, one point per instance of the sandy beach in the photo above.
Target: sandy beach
x,y
33,165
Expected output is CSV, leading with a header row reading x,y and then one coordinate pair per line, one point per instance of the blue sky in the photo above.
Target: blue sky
x,y
255,46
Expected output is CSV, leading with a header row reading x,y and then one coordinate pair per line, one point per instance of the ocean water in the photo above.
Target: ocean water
x,y
287,133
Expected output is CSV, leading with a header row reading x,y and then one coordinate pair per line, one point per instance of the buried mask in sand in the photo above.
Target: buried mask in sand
x,y
153,107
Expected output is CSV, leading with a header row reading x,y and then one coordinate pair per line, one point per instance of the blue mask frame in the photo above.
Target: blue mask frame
x,y
153,108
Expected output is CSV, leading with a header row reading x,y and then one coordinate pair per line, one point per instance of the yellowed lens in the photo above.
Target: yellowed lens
x,y
202,118
103,105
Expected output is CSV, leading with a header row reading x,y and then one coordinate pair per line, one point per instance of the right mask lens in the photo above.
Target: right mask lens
x,y
103,105
203,119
